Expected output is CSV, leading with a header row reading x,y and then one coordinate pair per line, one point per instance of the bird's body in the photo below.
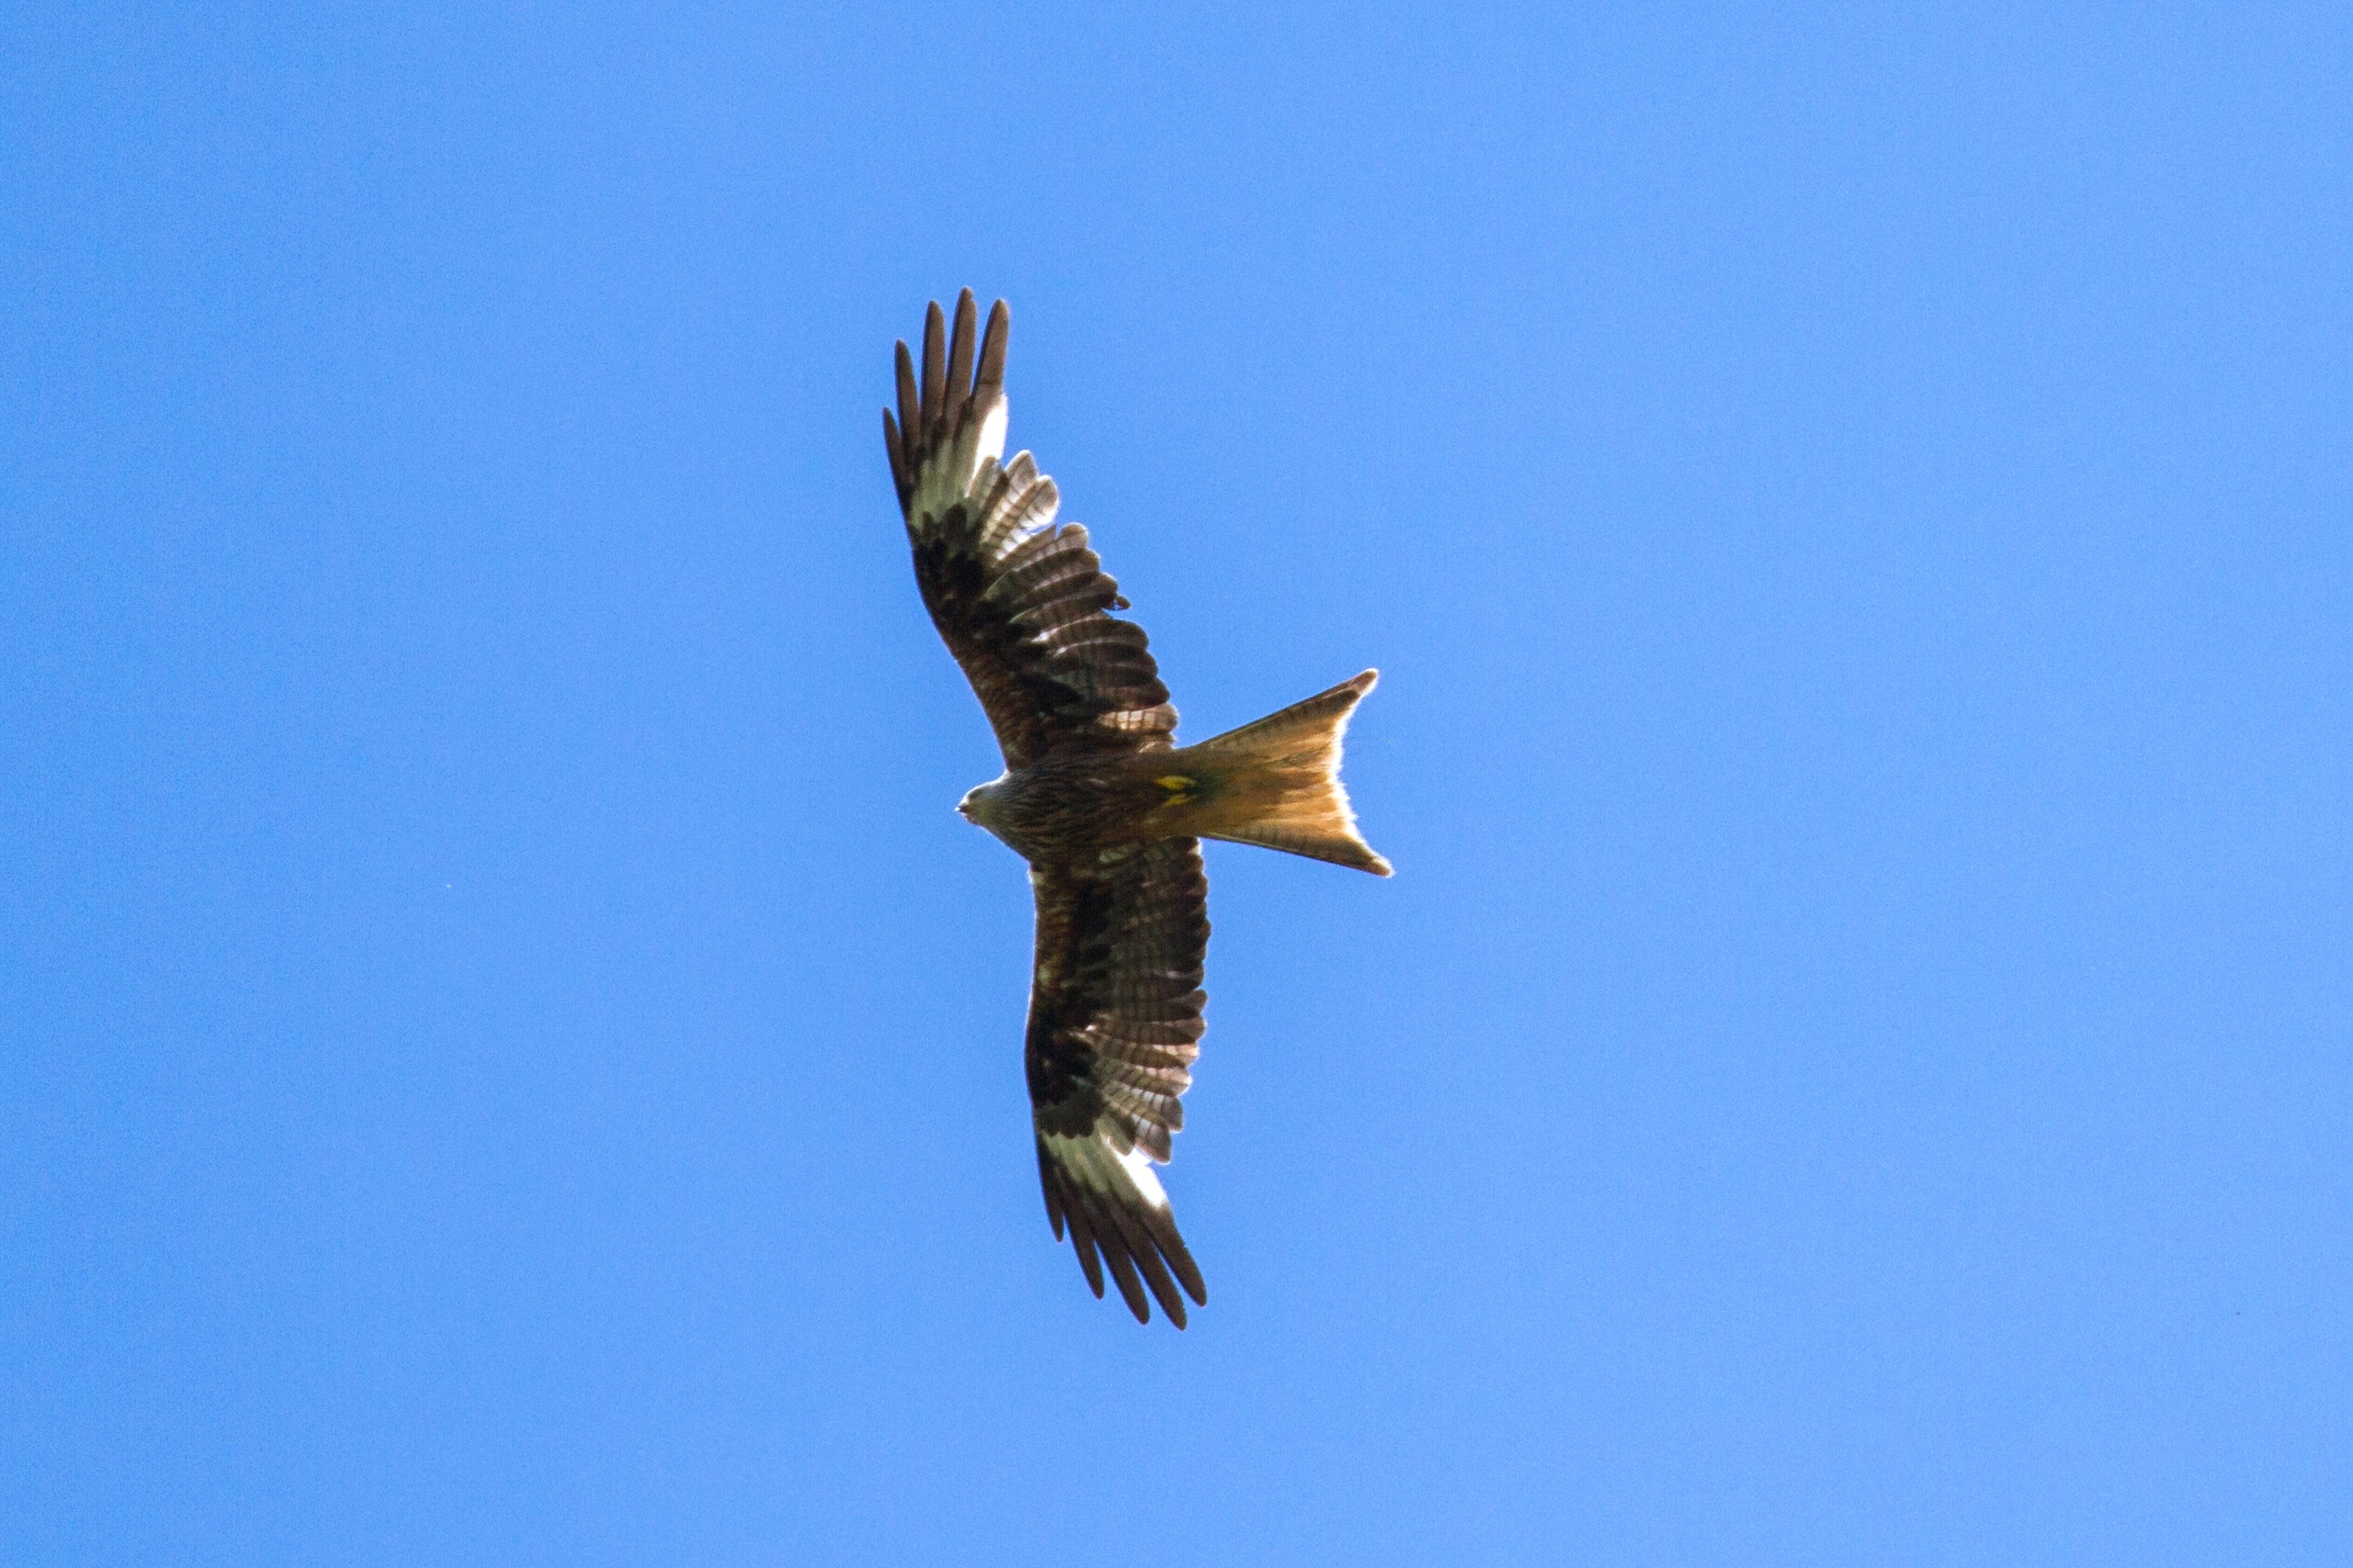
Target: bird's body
x,y
1099,799
1066,807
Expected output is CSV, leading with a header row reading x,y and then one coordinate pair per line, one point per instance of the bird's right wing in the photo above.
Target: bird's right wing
x,y
1023,605
1114,1026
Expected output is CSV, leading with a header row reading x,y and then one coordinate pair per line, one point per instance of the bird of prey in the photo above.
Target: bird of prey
x,y
1098,797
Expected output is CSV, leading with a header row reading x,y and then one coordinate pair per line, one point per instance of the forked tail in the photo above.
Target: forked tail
x,y
1277,783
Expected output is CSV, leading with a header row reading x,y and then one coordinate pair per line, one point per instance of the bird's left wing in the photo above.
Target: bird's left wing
x,y
1114,1026
1023,605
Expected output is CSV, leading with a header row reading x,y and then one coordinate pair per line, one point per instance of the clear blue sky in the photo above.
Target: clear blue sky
x,y
508,1056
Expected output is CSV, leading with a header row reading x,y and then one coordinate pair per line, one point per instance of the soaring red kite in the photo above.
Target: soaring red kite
x,y
1100,801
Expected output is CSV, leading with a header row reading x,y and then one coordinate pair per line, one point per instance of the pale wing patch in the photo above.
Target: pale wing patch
x,y
964,467
1102,1170
991,445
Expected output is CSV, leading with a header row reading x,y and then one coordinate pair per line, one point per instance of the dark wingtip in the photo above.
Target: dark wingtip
x,y
960,351
1188,1274
1050,1189
1083,1242
935,384
899,458
911,428
1123,1270
991,376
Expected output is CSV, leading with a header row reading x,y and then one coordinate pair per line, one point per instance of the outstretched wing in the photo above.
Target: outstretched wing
x,y
1114,1026
1022,603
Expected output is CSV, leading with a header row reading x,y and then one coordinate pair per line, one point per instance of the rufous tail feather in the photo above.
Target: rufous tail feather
x,y
1277,781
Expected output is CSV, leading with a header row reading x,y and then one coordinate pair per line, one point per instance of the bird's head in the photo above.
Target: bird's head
x,y
978,805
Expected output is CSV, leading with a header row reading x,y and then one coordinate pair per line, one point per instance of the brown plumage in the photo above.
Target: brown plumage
x,y
1100,801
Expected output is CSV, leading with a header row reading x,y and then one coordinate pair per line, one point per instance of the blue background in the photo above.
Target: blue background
x,y
508,1057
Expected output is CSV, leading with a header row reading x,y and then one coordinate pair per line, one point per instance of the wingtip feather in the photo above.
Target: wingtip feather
x,y
960,352
910,404
1119,1215
992,372
1082,1241
934,369
952,412
898,456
